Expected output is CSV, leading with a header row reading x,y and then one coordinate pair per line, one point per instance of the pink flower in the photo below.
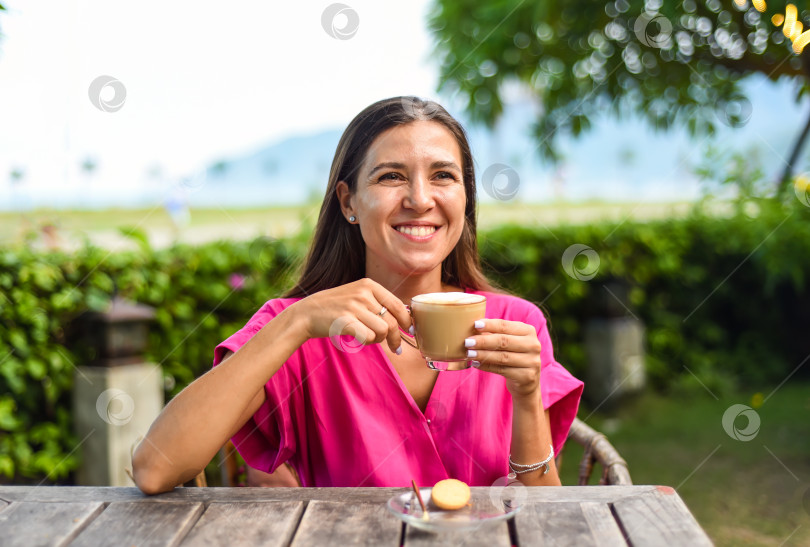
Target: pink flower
x,y
236,281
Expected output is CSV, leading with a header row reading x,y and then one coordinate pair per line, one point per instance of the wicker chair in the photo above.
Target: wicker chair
x,y
597,449
232,472
199,480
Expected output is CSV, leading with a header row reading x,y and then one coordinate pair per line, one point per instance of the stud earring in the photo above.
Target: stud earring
x,y
352,218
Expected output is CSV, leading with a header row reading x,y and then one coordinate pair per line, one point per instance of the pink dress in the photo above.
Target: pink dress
x,y
345,418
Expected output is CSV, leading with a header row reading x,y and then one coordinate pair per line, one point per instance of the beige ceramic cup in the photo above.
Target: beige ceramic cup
x,y
441,323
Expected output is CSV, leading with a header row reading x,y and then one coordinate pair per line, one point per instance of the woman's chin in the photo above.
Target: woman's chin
x,y
412,266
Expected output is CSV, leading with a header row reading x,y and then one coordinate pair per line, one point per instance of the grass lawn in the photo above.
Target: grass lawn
x,y
218,223
753,492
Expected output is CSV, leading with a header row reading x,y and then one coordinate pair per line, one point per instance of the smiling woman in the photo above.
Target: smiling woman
x,y
400,162
398,220
411,212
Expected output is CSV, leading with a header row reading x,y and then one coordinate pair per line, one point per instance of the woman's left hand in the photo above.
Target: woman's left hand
x,y
511,349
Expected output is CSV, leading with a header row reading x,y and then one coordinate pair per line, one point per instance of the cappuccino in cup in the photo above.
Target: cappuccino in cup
x,y
441,323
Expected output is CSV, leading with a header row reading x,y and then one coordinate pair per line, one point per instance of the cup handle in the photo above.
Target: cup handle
x,y
408,339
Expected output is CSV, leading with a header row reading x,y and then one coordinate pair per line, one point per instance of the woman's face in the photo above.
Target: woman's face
x,y
410,198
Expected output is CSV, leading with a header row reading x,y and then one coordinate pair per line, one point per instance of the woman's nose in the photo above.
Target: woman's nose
x,y
420,194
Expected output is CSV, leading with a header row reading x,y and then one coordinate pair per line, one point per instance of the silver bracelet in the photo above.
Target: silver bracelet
x,y
518,468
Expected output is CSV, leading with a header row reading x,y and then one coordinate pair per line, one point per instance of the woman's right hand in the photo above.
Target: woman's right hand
x,y
353,310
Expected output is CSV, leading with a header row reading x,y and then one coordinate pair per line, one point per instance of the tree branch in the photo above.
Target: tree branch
x,y
750,63
784,181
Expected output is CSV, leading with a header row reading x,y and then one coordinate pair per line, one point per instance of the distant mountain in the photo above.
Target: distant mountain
x,y
284,173
616,161
290,171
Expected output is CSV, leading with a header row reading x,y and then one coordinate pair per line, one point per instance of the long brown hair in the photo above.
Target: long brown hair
x,y
337,254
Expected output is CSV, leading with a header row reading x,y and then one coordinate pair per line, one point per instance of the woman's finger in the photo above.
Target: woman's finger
x,y
502,342
379,325
504,326
350,325
394,305
523,368
393,338
504,359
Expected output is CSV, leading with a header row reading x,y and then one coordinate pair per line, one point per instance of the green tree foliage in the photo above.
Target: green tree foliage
x,y
2,8
672,63
201,296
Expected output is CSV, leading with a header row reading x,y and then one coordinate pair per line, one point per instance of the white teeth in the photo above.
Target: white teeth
x,y
420,231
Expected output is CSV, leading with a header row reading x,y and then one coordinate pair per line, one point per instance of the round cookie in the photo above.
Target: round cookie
x,y
450,494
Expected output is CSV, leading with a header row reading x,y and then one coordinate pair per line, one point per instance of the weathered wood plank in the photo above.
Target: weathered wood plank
x,y
604,528
551,523
347,523
643,514
244,523
659,517
370,495
142,524
27,524
568,523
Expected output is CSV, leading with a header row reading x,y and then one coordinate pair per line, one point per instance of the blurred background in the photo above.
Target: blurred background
x,y
643,177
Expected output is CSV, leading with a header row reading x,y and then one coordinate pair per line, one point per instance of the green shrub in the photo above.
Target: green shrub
x,y
201,295
725,297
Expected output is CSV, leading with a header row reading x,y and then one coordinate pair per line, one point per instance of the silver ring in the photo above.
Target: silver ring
x,y
382,311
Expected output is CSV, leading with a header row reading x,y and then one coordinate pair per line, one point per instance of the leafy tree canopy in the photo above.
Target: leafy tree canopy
x,y
672,63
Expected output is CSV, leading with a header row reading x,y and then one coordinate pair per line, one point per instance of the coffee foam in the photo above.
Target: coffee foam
x,y
448,298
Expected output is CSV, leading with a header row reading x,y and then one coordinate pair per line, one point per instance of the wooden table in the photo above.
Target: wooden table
x,y
98,516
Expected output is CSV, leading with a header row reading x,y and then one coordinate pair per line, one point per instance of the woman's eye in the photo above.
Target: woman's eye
x,y
393,176
390,176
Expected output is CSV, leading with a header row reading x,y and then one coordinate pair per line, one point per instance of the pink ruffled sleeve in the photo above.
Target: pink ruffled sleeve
x,y
267,439
561,392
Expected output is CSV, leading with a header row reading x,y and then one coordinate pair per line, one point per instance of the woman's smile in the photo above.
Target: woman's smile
x,y
417,233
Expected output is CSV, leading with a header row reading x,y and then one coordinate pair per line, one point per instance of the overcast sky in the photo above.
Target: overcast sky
x,y
203,79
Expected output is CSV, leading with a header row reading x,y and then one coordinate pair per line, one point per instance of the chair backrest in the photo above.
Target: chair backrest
x,y
228,465
199,480
598,449
234,474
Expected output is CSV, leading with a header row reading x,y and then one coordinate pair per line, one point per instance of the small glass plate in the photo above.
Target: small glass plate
x,y
482,509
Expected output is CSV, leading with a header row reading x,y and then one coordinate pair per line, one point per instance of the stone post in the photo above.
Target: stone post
x,y
614,347
615,355
116,395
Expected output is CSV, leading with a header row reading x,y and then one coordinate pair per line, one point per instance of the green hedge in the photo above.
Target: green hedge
x,y
201,295
724,297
